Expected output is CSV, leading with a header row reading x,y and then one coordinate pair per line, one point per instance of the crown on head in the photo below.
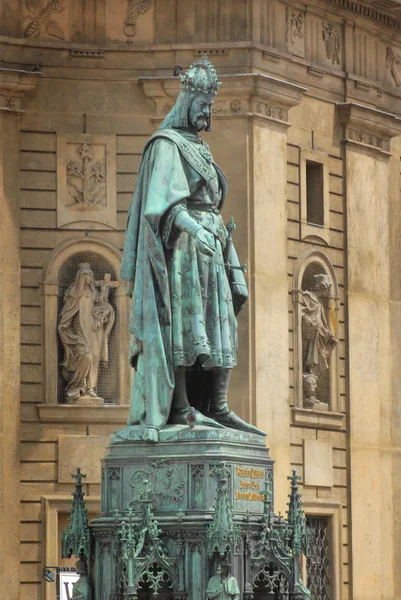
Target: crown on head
x,y
201,78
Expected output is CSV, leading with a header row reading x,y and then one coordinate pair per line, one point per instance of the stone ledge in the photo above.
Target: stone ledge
x,y
67,413
307,417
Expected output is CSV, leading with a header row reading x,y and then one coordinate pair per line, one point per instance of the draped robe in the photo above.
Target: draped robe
x,y
181,306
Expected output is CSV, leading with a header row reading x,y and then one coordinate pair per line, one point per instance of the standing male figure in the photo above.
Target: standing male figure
x,y
178,265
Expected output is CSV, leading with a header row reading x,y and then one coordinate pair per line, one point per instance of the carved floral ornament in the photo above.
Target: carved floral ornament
x,y
368,139
86,180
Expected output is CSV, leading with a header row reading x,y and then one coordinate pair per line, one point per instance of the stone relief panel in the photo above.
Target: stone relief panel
x,y
295,31
45,19
86,181
323,41
332,41
86,322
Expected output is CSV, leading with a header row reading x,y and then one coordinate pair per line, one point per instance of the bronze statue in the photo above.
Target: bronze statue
x,y
184,276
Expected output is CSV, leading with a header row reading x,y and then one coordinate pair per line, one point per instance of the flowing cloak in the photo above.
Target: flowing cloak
x,y
164,181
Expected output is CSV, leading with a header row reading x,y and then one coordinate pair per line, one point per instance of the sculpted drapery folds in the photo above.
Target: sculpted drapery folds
x,y
86,321
184,277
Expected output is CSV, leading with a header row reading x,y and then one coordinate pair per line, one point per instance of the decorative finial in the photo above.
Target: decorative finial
x,y
76,537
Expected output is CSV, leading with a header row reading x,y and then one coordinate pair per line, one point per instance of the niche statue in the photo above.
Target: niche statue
x,y
183,273
318,340
86,321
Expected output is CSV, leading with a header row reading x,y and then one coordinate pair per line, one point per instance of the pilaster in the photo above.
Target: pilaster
x,y
367,136
13,86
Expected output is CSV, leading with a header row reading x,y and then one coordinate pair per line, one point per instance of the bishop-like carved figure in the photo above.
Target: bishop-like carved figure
x,y
223,585
86,321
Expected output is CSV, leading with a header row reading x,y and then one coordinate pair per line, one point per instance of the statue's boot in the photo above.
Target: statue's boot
x,y
219,410
180,406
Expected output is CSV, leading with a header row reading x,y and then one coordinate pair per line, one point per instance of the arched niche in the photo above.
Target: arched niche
x,y
56,275
310,266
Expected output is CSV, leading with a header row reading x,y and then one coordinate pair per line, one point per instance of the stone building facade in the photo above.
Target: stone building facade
x,y
307,127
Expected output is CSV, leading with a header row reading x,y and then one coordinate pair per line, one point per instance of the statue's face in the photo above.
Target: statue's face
x,y
200,111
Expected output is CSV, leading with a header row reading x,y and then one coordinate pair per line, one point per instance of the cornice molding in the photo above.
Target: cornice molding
x,y
368,127
14,84
369,10
242,94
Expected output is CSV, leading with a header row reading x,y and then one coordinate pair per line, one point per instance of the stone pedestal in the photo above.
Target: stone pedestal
x,y
206,488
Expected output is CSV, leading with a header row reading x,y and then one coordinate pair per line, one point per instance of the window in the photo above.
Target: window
x,y
318,564
314,193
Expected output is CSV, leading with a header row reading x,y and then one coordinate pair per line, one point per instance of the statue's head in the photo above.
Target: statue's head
x,y
193,108
321,283
85,273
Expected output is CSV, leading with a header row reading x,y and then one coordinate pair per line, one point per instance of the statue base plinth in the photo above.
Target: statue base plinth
x,y
87,401
203,485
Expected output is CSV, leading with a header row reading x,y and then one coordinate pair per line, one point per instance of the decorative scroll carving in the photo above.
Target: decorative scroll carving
x,y
135,8
368,139
332,40
86,321
393,62
92,175
273,112
41,20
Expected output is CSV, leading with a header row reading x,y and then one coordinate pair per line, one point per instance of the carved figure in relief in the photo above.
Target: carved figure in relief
x,y
86,321
295,25
184,276
332,40
393,62
318,340
92,192
41,19
223,585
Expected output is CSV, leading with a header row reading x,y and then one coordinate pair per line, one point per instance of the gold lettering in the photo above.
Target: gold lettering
x,y
249,472
249,496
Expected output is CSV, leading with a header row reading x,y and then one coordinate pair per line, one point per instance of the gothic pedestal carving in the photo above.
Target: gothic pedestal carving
x,y
187,512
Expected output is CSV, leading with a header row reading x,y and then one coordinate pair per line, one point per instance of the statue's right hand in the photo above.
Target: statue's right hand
x,y
204,241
